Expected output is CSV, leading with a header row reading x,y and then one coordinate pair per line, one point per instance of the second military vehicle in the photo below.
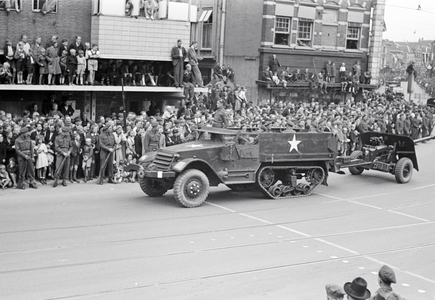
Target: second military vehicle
x,y
383,152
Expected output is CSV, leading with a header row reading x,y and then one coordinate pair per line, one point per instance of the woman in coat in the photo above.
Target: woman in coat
x,y
53,63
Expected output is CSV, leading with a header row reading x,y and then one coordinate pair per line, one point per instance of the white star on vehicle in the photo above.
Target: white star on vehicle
x,y
294,144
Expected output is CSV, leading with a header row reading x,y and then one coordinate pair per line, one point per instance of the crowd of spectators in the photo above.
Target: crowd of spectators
x,y
162,127
350,81
77,63
56,63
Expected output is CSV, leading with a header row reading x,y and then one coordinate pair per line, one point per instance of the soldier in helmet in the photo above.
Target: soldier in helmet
x,y
24,150
107,146
63,148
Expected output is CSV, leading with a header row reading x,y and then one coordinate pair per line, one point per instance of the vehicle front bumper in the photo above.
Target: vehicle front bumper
x,y
159,174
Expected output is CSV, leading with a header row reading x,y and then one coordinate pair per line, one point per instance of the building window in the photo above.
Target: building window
x,y
282,31
207,26
45,6
352,41
11,5
305,30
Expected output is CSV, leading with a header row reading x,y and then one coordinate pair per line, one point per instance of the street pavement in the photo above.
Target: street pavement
x,y
87,241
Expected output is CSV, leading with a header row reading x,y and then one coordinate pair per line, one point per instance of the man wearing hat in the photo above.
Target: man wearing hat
x,y
151,139
107,146
386,277
334,292
357,289
63,148
24,150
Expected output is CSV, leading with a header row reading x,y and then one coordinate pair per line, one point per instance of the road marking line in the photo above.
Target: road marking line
x,y
423,187
370,196
220,206
405,284
337,246
341,199
292,230
255,218
409,216
331,244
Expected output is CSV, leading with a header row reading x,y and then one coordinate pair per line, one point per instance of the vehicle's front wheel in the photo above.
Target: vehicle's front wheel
x,y
403,170
191,188
356,170
152,188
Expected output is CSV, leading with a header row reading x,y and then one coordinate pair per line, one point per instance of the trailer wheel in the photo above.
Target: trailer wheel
x,y
152,187
191,188
403,170
357,154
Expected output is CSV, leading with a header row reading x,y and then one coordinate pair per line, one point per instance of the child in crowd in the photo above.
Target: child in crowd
x,y
323,85
5,73
75,158
9,54
151,8
72,66
12,169
333,73
41,161
88,153
132,174
5,180
87,53
137,75
63,66
81,67
342,71
42,62
20,58
50,162
93,57
30,66
113,74
130,143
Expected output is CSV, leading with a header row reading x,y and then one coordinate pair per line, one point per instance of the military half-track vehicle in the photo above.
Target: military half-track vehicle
x,y
279,164
391,153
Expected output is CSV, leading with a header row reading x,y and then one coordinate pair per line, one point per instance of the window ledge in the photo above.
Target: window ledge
x,y
330,24
352,50
330,50
281,46
304,48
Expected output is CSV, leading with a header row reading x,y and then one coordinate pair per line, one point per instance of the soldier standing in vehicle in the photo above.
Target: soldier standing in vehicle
x,y
63,148
24,150
219,120
152,139
107,147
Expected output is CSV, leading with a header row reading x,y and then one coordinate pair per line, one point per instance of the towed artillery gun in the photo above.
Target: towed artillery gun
x,y
394,154
279,164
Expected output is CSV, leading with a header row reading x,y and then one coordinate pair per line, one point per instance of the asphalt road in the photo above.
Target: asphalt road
x,y
87,241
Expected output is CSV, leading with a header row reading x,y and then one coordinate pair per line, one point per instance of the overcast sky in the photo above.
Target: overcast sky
x,y
406,23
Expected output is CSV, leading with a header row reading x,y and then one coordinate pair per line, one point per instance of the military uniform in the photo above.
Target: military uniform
x,y
152,139
62,146
219,121
106,142
24,150
387,276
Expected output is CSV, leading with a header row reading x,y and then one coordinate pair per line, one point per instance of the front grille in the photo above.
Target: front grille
x,y
163,160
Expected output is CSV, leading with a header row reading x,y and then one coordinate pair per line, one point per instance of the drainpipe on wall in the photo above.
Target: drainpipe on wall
x,y
222,35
